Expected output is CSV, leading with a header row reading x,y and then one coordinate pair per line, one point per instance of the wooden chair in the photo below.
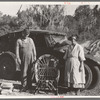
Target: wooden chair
x,y
47,74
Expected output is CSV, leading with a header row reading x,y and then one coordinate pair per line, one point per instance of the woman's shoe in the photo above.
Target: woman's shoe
x,y
72,93
77,92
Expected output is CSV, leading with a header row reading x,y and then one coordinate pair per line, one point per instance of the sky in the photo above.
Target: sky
x,y
11,8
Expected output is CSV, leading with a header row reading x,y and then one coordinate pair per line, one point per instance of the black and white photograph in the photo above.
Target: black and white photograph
x,y
49,49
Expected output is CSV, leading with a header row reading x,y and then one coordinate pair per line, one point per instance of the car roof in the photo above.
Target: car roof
x,y
47,32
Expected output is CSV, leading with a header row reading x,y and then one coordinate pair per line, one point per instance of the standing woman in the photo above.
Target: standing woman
x,y
26,56
74,66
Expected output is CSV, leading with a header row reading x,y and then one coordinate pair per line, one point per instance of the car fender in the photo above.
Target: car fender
x,y
95,60
13,56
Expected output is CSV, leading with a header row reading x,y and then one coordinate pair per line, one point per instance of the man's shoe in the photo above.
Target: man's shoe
x,y
23,90
29,91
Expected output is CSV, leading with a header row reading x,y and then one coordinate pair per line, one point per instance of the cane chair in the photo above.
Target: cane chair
x,y
47,74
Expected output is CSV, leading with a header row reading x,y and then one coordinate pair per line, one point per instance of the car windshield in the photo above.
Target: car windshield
x,y
51,40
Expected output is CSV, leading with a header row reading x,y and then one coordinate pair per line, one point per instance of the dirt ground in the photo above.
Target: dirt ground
x,y
62,91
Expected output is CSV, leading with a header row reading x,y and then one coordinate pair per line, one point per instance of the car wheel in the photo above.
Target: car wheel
x,y
96,77
88,76
43,62
7,67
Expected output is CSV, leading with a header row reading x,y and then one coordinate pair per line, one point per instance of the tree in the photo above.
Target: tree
x,y
86,20
42,16
71,25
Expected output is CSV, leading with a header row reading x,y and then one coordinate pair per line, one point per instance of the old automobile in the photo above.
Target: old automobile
x,y
47,43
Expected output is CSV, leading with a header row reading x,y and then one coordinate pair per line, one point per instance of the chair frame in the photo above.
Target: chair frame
x,y
46,75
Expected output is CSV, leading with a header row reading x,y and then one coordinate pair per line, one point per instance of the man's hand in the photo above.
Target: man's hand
x,y
34,62
18,60
80,68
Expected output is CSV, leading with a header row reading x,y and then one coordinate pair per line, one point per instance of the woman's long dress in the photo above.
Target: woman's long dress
x,y
73,77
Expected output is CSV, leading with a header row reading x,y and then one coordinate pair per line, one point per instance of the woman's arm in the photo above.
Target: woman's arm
x,y
81,58
81,65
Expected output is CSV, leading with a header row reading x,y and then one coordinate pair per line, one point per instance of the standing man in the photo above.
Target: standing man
x,y
26,56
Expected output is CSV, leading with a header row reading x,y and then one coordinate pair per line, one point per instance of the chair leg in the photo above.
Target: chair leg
x,y
56,86
52,86
37,88
56,92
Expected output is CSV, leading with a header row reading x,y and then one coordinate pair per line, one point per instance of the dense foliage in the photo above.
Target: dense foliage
x,y
85,22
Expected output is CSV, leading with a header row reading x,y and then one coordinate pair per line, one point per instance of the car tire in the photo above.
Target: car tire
x,y
96,77
7,67
88,76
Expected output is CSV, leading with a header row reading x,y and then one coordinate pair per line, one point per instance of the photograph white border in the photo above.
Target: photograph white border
x,y
50,3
